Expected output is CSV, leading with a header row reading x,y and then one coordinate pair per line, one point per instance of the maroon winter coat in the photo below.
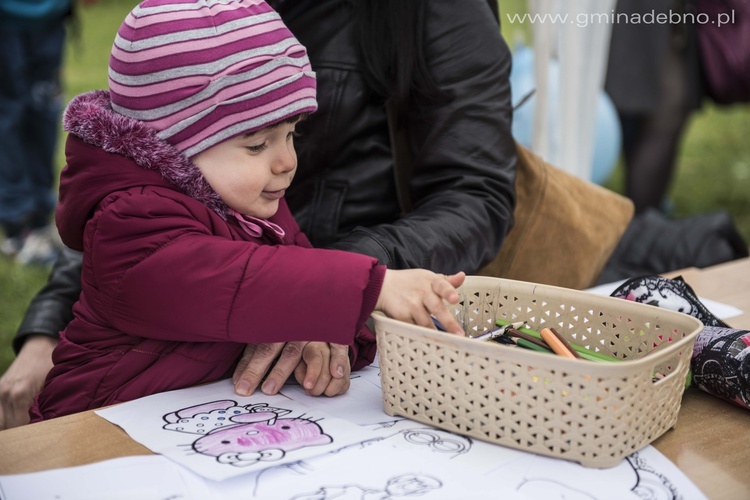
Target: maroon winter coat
x,y
173,287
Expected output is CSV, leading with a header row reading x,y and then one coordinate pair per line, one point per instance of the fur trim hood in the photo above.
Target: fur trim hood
x,y
90,117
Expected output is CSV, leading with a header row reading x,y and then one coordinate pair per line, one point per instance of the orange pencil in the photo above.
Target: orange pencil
x,y
555,343
565,343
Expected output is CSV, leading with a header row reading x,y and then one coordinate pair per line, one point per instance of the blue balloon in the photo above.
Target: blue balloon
x,y
607,135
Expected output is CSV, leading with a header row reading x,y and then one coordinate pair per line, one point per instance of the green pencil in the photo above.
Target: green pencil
x,y
585,353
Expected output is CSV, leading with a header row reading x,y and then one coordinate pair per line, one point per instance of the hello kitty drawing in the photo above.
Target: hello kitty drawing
x,y
245,435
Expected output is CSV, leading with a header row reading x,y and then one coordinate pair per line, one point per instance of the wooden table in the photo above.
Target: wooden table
x,y
710,444
711,441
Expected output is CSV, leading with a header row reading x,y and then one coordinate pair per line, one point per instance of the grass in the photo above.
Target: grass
x,y
713,171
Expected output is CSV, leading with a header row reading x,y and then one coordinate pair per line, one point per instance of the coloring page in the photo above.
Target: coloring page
x,y
391,453
644,475
362,404
463,452
217,434
276,447
374,470
145,477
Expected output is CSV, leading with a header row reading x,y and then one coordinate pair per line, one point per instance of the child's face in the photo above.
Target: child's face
x,y
252,172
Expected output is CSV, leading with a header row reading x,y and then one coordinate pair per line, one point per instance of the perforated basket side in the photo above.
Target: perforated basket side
x,y
592,413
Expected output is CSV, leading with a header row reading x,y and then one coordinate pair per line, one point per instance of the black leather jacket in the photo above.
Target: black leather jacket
x,y
344,193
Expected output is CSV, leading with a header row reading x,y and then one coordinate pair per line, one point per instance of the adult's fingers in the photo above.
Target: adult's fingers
x,y
15,414
253,365
340,367
23,380
16,397
290,357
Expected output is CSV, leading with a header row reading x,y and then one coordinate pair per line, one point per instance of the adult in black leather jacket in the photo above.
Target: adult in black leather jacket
x,y
344,195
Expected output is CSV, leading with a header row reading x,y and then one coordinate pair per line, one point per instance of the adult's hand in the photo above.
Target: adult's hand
x,y
284,357
23,380
256,361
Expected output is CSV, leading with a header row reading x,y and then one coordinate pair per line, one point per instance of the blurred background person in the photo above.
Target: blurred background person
x,y
32,36
653,79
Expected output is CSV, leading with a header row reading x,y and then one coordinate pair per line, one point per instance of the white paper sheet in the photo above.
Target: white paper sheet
x,y
143,477
376,470
362,404
217,434
382,460
442,465
506,472
646,474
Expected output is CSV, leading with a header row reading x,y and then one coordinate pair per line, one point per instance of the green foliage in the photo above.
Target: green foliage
x,y
713,166
713,171
17,286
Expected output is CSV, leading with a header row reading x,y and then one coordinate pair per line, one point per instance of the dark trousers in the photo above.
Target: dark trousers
x,y
651,141
30,107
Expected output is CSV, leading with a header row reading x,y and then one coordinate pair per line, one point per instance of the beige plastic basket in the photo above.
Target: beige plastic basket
x,y
594,413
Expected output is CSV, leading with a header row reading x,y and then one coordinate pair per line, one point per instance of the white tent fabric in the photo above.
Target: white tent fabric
x,y
577,33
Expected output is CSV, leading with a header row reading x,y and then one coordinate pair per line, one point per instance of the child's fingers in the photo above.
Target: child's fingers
x,y
449,322
316,359
456,279
321,384
337,386
443,288
421,316
435,305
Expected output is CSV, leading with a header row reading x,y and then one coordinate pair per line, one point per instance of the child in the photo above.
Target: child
x,y
174,190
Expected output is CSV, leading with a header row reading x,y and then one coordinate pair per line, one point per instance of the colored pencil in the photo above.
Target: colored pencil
x,y
584,352
554,342
565,343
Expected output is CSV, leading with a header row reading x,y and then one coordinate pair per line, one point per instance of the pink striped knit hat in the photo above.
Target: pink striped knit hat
x,y
202,72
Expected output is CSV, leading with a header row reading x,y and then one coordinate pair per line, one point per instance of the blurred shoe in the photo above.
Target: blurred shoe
x,y
41,247
10,247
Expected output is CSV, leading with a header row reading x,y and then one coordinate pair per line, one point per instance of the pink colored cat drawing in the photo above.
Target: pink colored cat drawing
x,y
245,435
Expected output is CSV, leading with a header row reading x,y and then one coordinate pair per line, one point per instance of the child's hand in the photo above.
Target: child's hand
x,y
413,295
317,375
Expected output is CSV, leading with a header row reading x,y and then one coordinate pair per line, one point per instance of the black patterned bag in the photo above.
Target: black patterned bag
x,y
721,356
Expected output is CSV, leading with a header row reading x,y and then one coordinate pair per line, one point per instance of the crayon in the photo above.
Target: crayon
x,y
554,342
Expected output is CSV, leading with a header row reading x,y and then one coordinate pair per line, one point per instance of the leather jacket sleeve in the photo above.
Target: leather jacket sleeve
x,y
464,157
52,308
